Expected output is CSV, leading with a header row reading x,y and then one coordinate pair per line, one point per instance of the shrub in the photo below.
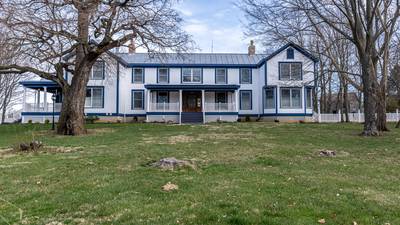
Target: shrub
x,y
46,121
91,119
247,118
276,121
30,121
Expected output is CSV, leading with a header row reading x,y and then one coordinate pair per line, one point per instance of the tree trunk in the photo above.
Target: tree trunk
x,y
381,112
369,87
346,103
72,118
3,112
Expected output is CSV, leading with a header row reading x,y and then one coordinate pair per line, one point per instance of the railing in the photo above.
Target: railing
x,y
220,107
353,117
164,107
34,107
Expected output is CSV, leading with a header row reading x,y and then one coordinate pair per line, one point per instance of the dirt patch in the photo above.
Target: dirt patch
x,y
10,152
180,139
382,198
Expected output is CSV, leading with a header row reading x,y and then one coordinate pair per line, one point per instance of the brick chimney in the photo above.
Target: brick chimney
x,y
252,48
132,47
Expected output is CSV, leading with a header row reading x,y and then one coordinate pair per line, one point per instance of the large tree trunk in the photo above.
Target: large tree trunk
x,y
381,112
72,118
369,88
346,103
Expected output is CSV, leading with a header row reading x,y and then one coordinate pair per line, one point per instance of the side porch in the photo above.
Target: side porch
x,y
192,103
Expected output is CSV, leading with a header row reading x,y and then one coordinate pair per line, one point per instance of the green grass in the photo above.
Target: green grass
x,y
248,173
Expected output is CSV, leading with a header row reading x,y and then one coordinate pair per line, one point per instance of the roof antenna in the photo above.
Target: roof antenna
x,y
212,46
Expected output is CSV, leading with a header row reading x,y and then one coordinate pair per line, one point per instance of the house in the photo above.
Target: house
x,y
12,116
198,87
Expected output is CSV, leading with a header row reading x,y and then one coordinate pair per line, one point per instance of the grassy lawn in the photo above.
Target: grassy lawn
x,y
247,173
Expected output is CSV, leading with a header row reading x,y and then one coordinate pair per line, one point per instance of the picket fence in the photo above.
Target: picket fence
x,y
354,117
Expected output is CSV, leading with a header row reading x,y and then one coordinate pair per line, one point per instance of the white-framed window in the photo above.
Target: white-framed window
x,y
94,97
290,71
245,76
191,75
270,98
221,76
138,75
245,100
309,98
162,97
163,75
98,71
137,99
291,98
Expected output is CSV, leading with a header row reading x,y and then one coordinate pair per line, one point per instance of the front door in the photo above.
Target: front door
x,y
191,101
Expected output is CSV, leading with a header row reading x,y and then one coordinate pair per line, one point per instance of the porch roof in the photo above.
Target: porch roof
x,y
216,87
40,85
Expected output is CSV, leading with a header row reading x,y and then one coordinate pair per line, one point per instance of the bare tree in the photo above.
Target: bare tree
x,y
48,31
369,25
9,83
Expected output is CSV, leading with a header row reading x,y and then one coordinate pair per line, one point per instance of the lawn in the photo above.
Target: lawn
x,y
246,173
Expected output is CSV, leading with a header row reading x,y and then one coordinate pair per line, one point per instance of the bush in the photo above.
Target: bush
x,y
46,121
30,121
276,121
91,119
247,118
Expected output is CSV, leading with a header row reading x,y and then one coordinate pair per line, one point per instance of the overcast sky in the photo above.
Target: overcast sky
x,y
217,21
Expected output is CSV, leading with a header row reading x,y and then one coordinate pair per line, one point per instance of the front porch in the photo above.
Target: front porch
x,y
192,103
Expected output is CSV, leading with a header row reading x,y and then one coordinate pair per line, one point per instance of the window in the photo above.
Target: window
x,y
97,71
191,75
309,98
270,98
291,98
290,53
162,96
221,97
245,76
290,71
138,100
94,97
220,76
163,75
245,100
138,75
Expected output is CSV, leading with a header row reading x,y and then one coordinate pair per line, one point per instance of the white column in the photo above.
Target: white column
x,y
148,104
180,106
237,100
203,106
45,100
397,114
24,100
38,99
319,113
339,116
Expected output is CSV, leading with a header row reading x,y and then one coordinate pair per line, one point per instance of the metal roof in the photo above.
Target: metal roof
x,y
191,59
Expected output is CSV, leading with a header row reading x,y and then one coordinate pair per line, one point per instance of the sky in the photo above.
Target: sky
x,y
216,23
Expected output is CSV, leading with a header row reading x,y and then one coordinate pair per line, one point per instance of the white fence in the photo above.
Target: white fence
x,y
220,107
353,117
164,107
34,107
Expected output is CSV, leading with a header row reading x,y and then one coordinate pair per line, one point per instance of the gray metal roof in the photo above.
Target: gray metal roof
x,y
211,59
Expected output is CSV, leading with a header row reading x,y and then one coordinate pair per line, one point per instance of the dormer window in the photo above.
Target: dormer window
x,y
97,71
290,71
290,53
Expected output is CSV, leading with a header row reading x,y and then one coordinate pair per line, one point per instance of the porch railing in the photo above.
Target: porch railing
x,y
220,107
164,107
34,107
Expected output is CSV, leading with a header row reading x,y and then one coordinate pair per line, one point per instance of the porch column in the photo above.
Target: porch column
x,y
180,106
38,100
237,100
45,100
148,104
24,100
203,105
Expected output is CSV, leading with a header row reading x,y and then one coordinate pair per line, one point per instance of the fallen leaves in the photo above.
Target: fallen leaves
x,y
170,187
